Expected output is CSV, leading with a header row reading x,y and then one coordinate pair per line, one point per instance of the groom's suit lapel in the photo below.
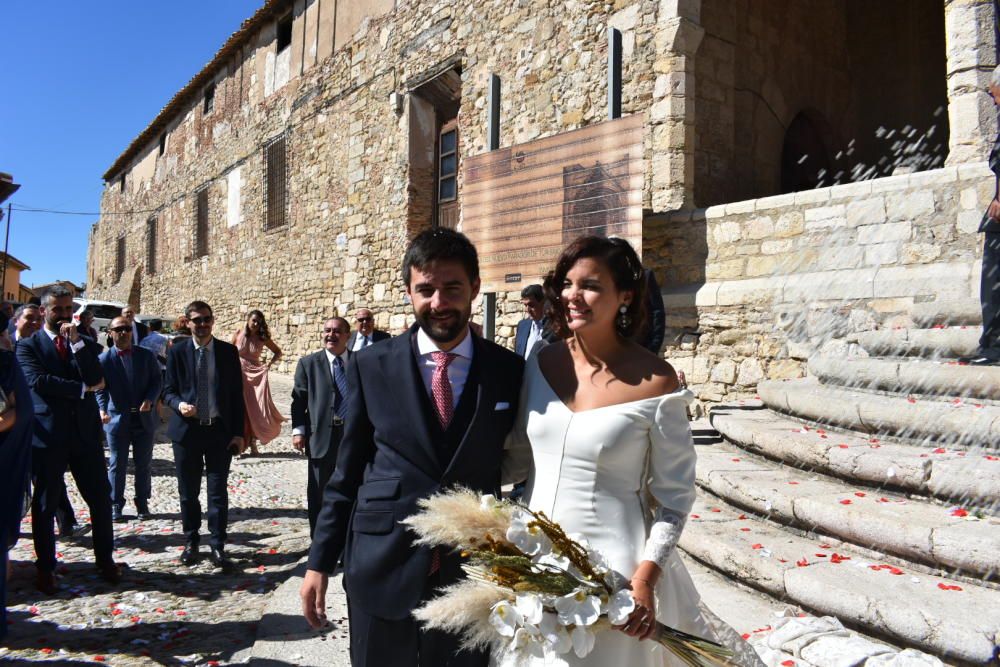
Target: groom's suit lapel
x,y
483,400
405,384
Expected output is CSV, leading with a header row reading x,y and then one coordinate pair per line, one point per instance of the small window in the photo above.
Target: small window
x,y
209,99
448,166
163,143
201,223
151,246
119,258
121,183
284,32
275,175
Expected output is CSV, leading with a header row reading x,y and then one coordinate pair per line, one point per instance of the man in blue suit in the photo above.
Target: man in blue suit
x,y
204,387
427,410
132,385
63,371
533,330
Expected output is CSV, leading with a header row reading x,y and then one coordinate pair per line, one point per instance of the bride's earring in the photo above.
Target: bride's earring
x,y
623,321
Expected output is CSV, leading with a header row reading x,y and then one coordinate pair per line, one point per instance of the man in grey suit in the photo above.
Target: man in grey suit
x,y
319,402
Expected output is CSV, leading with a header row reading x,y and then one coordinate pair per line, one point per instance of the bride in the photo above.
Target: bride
x,y
603,427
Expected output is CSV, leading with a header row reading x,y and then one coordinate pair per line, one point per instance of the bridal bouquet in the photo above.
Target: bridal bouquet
x,y
531,589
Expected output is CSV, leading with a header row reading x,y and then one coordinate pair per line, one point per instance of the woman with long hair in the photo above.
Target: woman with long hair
x,y
263,421
611,455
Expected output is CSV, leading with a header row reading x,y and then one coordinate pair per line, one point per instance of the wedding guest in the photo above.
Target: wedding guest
x,y
366,333
157,343
139,330
656,316
86,324
16,417
533,331
263,421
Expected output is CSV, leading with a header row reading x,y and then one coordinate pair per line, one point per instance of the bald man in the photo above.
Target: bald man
x,y
366,334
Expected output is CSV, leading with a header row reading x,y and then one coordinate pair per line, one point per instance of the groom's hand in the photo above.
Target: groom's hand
x,y
313,594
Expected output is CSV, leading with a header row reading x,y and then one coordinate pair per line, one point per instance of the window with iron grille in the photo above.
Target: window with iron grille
x,y
201,223
119,258
151,246
275,179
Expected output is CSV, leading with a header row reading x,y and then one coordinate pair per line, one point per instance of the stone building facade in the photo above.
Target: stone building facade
x,y
794,150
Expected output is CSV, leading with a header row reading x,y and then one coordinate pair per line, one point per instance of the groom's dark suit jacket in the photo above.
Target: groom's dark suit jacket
x,y
394,453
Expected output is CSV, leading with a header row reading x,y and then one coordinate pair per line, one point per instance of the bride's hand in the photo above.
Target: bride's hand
x,y
641,622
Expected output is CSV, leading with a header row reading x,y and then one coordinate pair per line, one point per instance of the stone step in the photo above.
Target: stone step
x,y
966,312
955,475
909,376
880,599
916,530
943,343
959,423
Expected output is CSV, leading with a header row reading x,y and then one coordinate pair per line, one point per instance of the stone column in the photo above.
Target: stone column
x,y
678,36
970,44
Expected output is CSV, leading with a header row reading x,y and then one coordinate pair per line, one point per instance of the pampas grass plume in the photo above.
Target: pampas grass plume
x,y
464,609
455,519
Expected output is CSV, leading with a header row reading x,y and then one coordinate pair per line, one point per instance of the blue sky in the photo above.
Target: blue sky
x,y
80,81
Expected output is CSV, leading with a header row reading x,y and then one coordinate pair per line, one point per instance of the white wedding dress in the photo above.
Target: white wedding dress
x,y
623,477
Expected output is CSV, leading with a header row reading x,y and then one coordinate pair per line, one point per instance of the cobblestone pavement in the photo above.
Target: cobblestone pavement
x,y
164,613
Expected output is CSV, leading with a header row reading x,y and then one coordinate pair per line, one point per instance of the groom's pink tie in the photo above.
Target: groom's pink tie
x,y
441,387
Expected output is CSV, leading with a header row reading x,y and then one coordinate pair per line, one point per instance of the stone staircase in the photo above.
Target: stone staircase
x,y
868,491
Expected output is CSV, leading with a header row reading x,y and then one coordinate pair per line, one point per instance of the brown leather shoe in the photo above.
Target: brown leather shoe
x,y
45,581
111,571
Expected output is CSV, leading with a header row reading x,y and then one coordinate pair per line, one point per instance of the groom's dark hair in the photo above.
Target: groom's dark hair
x,y
441,243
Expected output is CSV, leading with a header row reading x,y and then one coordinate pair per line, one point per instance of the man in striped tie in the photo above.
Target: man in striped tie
x,y
204,387
319,405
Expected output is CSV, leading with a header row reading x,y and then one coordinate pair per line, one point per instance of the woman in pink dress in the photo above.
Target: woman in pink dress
x,y
263,421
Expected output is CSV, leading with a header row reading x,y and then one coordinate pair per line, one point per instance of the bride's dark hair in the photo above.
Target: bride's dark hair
x,y
626,271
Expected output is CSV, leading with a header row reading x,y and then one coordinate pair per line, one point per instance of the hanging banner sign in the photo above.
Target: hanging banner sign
x,y
522,205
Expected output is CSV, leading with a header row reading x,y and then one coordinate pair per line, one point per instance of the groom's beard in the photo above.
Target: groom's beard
x,y
444,326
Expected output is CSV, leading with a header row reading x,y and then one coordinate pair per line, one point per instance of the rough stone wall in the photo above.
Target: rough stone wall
x,y
753,288
347,153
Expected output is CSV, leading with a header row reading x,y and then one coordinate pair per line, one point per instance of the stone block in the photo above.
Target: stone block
x,y
732,268
967,222
750,373
885,232
724,372
920,253
765,265
942,281
785,369
789,224
866,212
726,232
774,247
836,212
909,205
881,254
749,291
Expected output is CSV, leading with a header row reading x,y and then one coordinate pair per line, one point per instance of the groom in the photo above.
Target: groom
x,y
430,409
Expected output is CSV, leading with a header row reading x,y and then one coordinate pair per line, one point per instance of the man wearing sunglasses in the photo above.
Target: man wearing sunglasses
x,y
132,385
204,387
366,333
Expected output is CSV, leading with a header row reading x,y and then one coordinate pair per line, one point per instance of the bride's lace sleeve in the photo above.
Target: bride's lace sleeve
x,y
670,476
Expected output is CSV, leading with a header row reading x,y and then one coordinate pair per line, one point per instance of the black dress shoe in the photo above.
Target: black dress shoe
x,y
67,529
111,571
190,554
142,509
118,516
45,581
218,558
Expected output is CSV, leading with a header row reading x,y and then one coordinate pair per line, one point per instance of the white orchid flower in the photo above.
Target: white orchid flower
x,y
505,618
578,608
598,560
529,539
530,607
619,607
583,641
488,502
556,636
528,641
554,559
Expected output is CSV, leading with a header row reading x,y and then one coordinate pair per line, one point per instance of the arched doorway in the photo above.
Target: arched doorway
x,y
805,156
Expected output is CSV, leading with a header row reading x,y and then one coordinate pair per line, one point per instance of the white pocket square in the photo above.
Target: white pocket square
x,y
502,405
